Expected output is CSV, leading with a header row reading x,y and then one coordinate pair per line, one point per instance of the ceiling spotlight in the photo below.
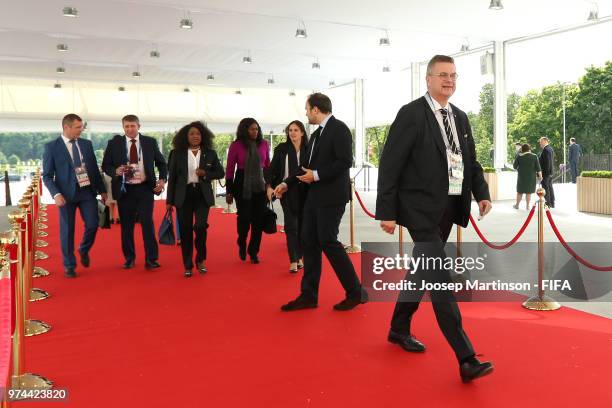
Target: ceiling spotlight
x,y
154,54
292,93
62,47
332,83
386,68
496,5
316,65
384,41
594,13
187,24
247,59
270,81
186,89
60,70
70,11
301,30
465,47
238,92
210,77
136,74
57,85
121,89
186,21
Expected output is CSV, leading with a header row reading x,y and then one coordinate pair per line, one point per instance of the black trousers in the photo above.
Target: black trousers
x,y
546,184
250,217
574,170
430,243
194,206
292,229
137,199
320,235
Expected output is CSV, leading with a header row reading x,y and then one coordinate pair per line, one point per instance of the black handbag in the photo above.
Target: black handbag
x,y
269,219
166,230
103,215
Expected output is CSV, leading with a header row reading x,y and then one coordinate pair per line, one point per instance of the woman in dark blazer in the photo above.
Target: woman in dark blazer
x,y
285,163
248,159
193,164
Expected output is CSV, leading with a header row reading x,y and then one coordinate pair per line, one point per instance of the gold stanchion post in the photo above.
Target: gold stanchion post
x,y
352,248
541,301
401,239
21,380
32,327
38,272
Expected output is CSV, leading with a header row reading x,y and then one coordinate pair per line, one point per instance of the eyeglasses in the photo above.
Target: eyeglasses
x,y
446,75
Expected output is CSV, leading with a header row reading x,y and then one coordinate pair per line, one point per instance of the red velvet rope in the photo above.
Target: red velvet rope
x,y
571,251
5,330
512,241
365,210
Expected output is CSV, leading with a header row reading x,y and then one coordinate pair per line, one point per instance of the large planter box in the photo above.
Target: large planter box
x,y
502,185
595,195
491,179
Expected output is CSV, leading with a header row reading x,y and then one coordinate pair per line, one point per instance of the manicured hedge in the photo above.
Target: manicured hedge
x,y
597,174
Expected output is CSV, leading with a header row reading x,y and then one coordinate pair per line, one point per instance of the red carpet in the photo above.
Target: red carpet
x,y
155,339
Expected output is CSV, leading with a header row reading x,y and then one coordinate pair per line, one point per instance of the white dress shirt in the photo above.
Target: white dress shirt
x,y
193,163
69,147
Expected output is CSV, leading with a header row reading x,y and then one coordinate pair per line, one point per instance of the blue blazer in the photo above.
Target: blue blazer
x,y
58,168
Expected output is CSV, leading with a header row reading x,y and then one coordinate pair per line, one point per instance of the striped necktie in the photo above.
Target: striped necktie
x,y
448,131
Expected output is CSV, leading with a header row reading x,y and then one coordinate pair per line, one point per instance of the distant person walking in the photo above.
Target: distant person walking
x,y
528,168
575,151
547,160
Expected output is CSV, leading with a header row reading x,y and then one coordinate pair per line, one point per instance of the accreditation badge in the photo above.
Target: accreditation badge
x,y
82,176
133,175
455,173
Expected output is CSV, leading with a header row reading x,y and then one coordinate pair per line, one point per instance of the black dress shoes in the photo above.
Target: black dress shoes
x,y
254,259
472,369
301,302
151,265
406,341
84,259
69,273
128,264
351,302
188,273
201,268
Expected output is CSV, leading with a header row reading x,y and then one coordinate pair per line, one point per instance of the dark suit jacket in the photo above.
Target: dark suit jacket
x,y
116,155
413,171
332,158
547,160
294,197
178,172
58,168
575,151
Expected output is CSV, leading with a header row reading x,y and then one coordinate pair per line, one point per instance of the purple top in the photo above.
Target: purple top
x,y
237,155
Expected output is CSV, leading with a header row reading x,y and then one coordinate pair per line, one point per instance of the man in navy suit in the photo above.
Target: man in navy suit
x,y
71,174
130,159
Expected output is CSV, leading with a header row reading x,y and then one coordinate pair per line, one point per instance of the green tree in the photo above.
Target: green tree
x,y
589,116
3,159
540,113
376,137
14,160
